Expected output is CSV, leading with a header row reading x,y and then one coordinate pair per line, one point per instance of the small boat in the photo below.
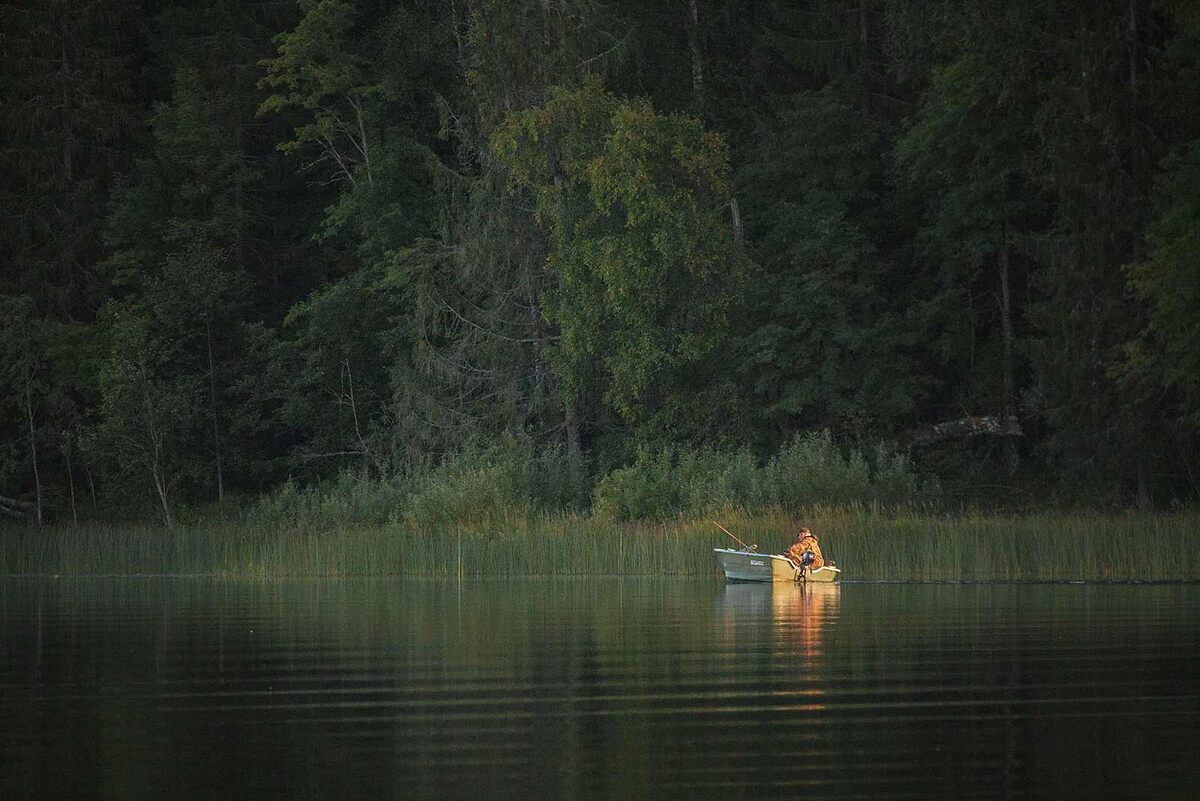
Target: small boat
x,y
749,565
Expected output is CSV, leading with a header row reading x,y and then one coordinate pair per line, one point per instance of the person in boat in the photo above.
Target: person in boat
x,y
806,551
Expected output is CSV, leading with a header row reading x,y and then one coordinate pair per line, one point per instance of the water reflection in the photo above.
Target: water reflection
x,y
593,688
793,617
801,614
790,621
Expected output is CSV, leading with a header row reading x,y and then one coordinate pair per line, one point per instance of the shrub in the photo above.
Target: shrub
x,y
643,491
350,499
506,475
665,482
894,481
810,470
468,484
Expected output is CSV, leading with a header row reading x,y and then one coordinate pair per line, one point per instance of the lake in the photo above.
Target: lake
x,y
595,688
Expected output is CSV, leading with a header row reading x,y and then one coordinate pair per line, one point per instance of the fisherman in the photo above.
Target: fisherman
x,y
805,551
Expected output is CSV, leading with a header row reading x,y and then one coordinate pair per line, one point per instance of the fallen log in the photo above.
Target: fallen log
x,y
964,427
14,508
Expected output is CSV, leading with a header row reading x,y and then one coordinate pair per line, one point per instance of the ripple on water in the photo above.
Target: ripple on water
x,y
595,688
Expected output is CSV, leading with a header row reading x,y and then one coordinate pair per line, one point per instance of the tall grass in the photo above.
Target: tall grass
x,y
866,543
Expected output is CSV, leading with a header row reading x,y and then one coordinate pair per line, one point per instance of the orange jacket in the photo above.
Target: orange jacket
x,y
809,543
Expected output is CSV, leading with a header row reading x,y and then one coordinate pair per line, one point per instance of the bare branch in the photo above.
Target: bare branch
x,y
599,56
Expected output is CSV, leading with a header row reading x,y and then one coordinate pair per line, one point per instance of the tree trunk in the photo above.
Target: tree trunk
x,y
1144,501
37,477
540,368
65,74
212,397
71,479
547,23
348,396
697,56
161,486
362,133
570,412
456,25
239,182
1011,457
574,449
160,478
1133,37
87,470
866,57
155,436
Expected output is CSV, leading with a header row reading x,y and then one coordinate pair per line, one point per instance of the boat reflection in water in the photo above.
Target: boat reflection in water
x,y
802,614
798,615
783,626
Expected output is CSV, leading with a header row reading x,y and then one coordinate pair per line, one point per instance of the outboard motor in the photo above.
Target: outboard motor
x,y
807,558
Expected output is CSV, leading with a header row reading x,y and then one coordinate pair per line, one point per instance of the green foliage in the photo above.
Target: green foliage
x,y
478,481
333,75
191,187
827,346
338,238
146,413
67,76
1169,349
644,490
471,484
965,155
1095,91
666,482
647,271
47,375
809,470
330,371
22,348
347,501
315,63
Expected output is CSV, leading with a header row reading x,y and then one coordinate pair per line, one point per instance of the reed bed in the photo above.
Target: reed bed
x,y
869,544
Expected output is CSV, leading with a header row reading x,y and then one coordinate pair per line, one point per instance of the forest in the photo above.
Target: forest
x,y
622,255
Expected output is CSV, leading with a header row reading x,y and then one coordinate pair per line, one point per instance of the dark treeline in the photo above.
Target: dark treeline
x,y
248,240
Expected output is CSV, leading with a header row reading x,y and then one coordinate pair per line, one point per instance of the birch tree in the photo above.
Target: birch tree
x,y
22,365
645,269
146,417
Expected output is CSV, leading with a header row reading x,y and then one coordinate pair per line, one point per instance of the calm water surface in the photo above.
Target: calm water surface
x,y
595,688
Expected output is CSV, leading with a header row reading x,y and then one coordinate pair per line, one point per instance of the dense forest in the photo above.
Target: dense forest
x,y
250,242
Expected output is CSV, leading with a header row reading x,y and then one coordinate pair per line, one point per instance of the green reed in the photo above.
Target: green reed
x,y
867,543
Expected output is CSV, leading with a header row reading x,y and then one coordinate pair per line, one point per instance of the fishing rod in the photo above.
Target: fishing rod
x,y
753,547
